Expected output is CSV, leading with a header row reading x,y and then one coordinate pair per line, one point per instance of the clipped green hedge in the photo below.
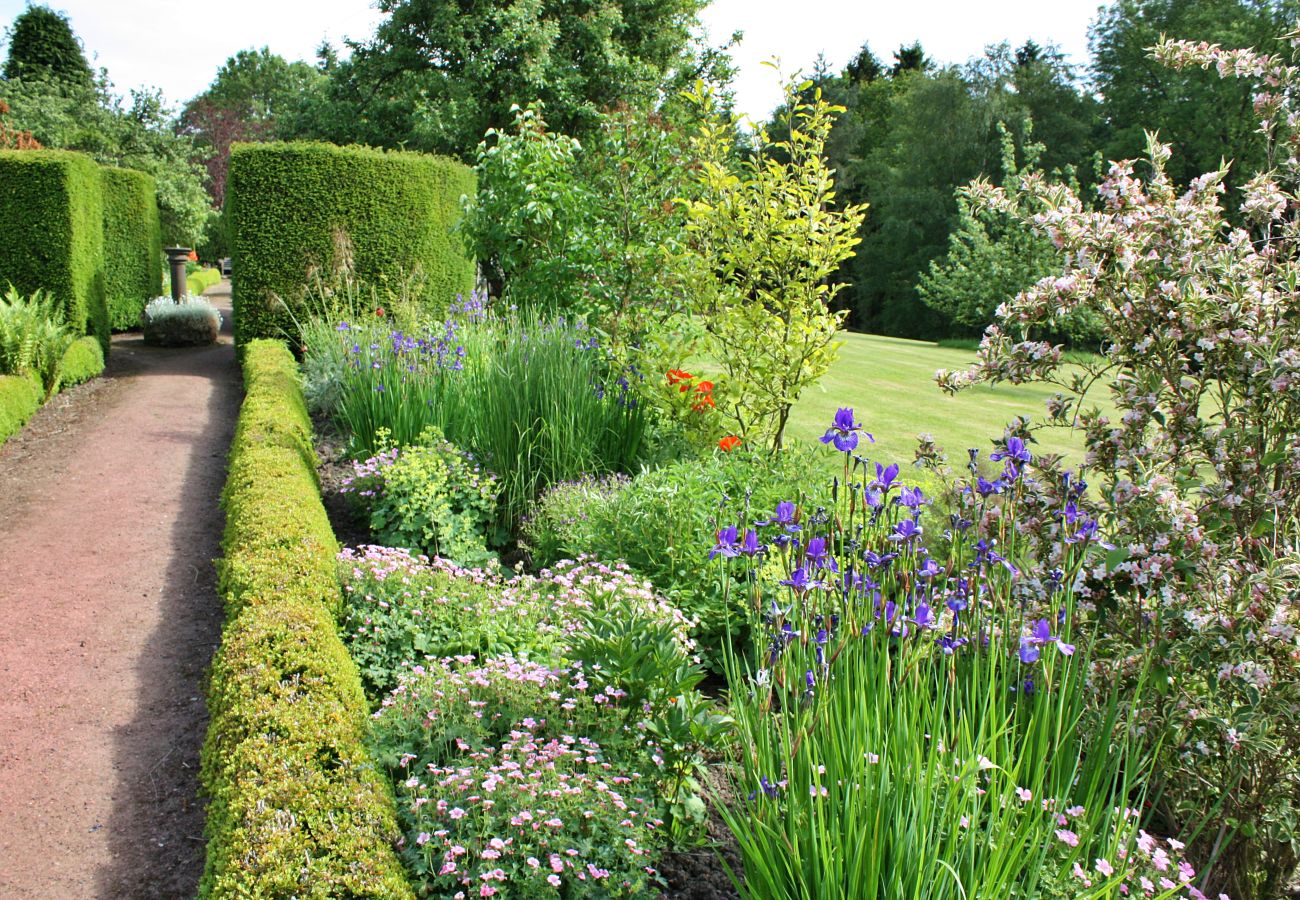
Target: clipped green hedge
x,y
199,281
133,260
81,362
298,808
52,232
20,396
287,204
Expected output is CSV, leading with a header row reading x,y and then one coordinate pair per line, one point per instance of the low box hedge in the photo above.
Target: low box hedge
x,y
298,809
20,396
198,282
81,362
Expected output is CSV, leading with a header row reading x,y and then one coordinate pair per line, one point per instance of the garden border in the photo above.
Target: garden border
x,y
22,395
297,806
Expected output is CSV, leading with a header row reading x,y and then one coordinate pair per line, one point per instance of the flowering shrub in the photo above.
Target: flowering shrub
x,y
1200,473
169,323
518,779
402,610
429,497
920,692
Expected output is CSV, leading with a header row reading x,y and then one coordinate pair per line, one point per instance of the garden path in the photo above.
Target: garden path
x,y
108,527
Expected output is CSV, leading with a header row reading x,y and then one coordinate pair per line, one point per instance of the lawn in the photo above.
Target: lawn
x,y
889,382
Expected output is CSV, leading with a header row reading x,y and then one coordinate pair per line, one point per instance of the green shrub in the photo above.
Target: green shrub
x,y
82,361
52,233
191,322
430,497
20,396
292,208
132,244
664,522
297,807
199,281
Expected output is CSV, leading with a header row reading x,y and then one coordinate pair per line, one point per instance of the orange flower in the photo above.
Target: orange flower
x,y
704,387
676,375
705,402
729,443
379,311
194,256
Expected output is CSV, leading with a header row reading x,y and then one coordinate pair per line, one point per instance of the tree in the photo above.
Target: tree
x,y
252,92
763,241
42,46
439,73
1205,119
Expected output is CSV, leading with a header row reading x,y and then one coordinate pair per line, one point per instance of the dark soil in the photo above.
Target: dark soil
x,y
108,526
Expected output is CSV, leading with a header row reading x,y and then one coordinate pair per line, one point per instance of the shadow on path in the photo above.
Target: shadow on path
x,y
108,528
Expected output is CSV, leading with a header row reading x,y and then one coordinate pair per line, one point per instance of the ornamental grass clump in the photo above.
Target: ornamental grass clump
x,y
518,779
536,400
918,691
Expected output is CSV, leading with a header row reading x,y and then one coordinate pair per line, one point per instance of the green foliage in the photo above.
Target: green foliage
x,y
763,243
83,360
251,93
663,522
191,322
582,227
402,611
33,337
429,497
52,233
20,396
438,74
535,400
134,134
992,256
288,205
199,281
132,245
296,808
1206,119
42,45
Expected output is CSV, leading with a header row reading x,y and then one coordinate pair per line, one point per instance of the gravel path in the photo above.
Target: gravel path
x,y
108,619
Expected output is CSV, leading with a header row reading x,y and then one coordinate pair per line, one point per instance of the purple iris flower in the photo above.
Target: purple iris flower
x,y
891,612
1040,633
984,487
800,583
911,497
924,617
906,530
816,552
929,568
1015,450
873,498
750,545
950,643
844,431
727,546
784,516
885,477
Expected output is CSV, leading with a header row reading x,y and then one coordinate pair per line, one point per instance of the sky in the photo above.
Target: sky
x,y
178,45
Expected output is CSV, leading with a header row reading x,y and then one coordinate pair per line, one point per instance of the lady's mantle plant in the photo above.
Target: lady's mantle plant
x,y
1201,474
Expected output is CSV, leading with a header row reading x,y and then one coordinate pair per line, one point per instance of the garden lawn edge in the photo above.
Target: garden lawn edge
x,y
297,807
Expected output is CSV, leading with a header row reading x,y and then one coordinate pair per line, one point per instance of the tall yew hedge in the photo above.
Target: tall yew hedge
x,y
287,203
132,245
52,232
